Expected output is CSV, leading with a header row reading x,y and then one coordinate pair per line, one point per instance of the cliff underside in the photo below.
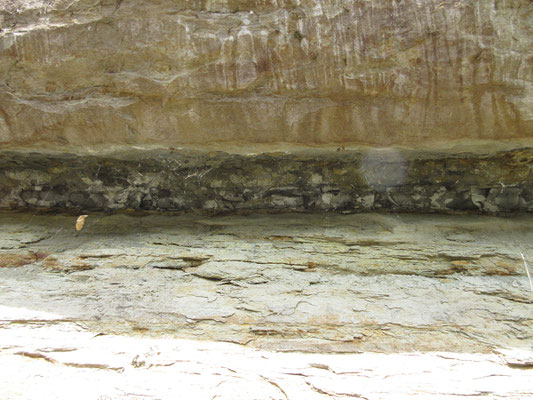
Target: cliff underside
x,y
382,72
316,105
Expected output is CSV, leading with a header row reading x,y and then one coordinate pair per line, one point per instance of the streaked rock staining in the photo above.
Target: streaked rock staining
x,y
380,72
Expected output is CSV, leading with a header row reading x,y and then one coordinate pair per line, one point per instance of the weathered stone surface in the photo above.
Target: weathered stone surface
x,y
345,180
328,282
175,105
445,297
44,352
382,72
180,105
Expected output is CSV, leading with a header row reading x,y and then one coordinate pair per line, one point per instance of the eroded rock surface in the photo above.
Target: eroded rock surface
x,y
290,282
348,180
75,363
133,303
380,72
181,105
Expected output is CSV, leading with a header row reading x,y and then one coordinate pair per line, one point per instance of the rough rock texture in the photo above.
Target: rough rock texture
x,y
61,360
328,282
345,180
180,105
84,72
175,105
110,312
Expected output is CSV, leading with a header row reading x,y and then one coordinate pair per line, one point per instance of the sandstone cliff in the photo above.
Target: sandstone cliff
x,y
380,72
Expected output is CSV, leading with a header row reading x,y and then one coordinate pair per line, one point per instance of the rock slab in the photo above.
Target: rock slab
x,y
317,282
316,306
352,180
381,72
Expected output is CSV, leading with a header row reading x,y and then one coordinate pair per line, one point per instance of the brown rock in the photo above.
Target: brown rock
x,y
8,260
68,264
379,72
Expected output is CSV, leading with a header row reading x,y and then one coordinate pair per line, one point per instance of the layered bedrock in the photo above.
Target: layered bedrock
x,y
245,80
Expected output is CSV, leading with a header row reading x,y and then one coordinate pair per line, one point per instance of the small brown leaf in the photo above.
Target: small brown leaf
x,y
80,222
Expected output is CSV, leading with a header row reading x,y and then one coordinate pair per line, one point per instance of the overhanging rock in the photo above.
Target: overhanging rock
x,y
344,180
224,106
380,72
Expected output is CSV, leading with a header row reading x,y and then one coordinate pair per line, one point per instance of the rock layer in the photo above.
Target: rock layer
x,y
69,359
344,180
314,283
380,72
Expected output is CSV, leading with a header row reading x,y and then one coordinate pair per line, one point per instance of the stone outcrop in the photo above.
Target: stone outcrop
x,y
116,108
318,180
224,106
317,282
433,306
176,105
381,72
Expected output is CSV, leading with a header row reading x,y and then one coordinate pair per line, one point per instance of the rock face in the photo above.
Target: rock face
x,y
380,72
241,106
314,283
134,303
345,180
191,99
